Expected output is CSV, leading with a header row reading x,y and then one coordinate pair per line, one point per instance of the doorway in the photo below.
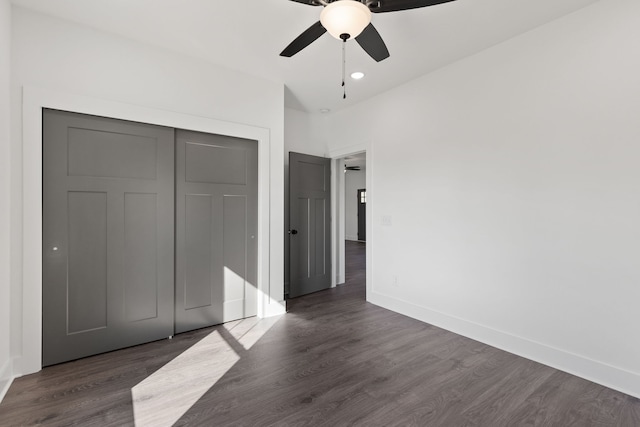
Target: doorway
x,y
354,161
355,217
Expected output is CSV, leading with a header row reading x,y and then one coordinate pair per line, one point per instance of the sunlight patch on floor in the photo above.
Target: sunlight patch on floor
x,y
165,396
250,330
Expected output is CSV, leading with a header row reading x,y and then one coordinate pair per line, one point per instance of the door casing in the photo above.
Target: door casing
x,y
338,210
29,337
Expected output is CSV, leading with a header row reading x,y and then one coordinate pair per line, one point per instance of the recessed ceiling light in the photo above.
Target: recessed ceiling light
x,y
357,75
325,110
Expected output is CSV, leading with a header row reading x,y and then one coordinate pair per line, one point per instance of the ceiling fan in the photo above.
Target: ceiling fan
x,y
346,19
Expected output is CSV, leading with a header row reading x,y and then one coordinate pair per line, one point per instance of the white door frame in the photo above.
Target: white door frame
x,y
338,210
34,100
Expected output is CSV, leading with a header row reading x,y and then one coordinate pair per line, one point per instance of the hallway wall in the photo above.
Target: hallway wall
x,y
354,180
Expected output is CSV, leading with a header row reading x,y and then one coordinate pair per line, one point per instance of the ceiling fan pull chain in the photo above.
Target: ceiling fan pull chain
x,y
344,65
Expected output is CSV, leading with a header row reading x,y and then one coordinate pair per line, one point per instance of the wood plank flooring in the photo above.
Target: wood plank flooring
x,y
333,360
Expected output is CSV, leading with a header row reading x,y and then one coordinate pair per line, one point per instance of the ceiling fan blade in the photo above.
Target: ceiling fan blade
x,y
309,2
370,40
303,40
396,5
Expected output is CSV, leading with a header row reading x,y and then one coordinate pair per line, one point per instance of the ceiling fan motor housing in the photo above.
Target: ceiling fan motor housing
x,y
345,19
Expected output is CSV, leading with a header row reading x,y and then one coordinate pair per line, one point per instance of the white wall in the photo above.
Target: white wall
x,y
304,133
353,181
5,195
512,183
61,57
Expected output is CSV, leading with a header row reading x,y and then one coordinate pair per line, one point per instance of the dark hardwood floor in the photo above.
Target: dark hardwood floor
x,y
333,360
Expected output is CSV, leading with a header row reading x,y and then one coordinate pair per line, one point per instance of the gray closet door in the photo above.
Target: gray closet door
x,y
309,223
216,229
108,204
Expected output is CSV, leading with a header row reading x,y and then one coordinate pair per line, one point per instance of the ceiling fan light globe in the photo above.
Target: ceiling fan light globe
x,y
345,17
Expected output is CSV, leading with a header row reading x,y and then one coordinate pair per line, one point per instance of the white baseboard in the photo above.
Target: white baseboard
x,y
597,372
275,308
6,378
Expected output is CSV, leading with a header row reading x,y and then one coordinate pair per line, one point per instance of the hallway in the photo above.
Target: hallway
x,y
355,262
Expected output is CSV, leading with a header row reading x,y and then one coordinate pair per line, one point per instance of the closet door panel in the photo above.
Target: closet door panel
x,y
216,229
108,239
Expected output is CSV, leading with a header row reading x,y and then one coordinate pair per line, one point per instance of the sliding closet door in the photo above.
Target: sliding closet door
x,y
108,239
216,229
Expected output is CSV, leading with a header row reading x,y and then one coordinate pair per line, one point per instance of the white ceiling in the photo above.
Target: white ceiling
x,y
248,35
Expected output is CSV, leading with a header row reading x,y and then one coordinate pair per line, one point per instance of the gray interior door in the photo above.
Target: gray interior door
x,y
108,241
309,223
216,229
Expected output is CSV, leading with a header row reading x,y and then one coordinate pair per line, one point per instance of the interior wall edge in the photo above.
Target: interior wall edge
x,y
6,369
574,364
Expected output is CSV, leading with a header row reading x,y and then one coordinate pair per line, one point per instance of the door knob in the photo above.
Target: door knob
x,y
294,231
